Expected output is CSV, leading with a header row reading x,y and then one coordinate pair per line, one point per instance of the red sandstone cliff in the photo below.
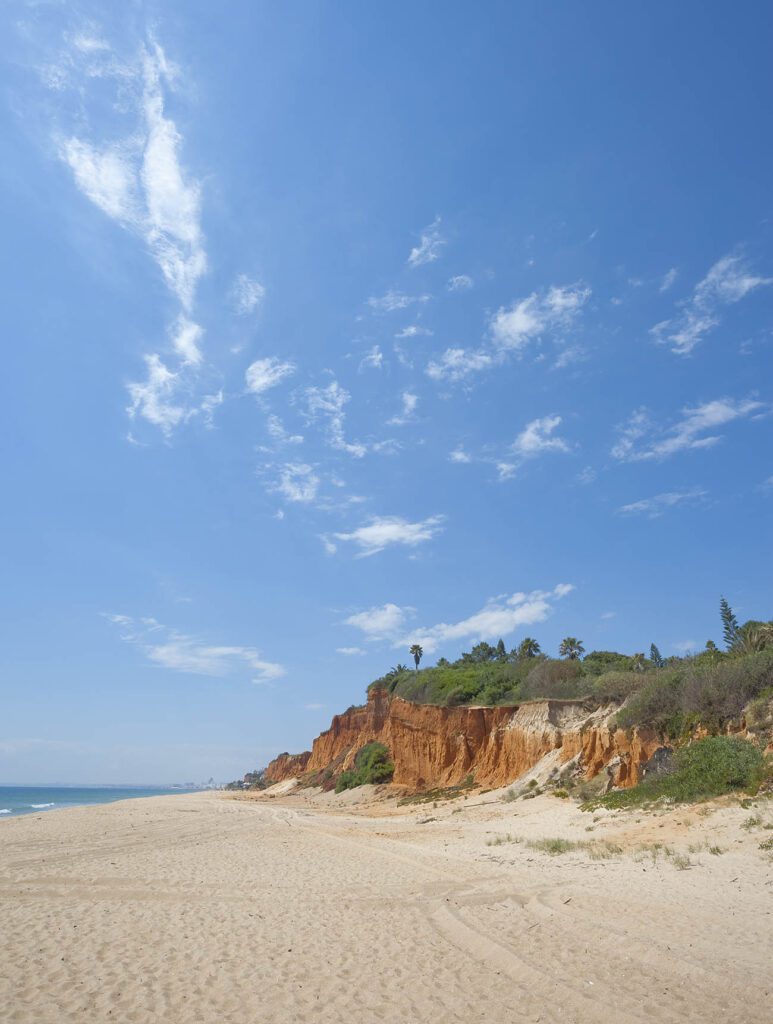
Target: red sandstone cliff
x,y
439,746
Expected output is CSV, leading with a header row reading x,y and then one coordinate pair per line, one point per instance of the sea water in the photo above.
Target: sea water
x,y
16,800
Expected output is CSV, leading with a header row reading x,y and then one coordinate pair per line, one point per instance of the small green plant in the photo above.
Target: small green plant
x,y
555,846
767,844
509,795
706,768
716,851
753,821
532,784
680,860
563,794
371,765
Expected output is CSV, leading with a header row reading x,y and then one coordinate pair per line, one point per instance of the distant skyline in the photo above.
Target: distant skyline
x,y
334,328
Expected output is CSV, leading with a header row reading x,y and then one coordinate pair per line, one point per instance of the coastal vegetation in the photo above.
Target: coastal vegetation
x,y
371,765
671,695
707,768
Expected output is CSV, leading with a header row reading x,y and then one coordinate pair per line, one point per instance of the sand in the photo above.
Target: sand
x,y
201,909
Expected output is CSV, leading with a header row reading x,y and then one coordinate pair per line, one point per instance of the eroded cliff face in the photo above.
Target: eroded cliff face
x,y
287,766
439,746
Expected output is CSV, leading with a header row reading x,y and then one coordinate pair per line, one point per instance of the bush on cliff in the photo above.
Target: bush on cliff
x,y
674,700
371,765
704,769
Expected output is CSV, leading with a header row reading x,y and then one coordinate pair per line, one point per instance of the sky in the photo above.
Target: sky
x,y
334,327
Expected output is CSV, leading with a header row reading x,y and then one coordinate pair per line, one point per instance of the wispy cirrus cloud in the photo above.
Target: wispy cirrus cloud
x,y
266,373
499,617
460,283
455,364
641,438
727,282
429,247
655,506
246,295
413,331
511,330
328,404
180,652
408,411
526,320
139,182
382,532
298,482
394,300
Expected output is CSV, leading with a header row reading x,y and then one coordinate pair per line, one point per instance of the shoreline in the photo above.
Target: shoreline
x,y
303,907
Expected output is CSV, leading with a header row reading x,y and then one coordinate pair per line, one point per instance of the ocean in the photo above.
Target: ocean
x,y
16,800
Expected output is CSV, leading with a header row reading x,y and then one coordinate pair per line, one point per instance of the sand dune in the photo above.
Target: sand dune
x,y
200,908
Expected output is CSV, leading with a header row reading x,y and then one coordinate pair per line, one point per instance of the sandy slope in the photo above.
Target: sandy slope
x,y
203,909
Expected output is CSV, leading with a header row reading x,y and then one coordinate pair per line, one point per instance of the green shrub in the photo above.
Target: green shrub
x,y
618,686
706,768
371,765
555,679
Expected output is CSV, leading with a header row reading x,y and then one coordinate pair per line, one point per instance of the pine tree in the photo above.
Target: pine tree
x,y
656,657
729,623
501,650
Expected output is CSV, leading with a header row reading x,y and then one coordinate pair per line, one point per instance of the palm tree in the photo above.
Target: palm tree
x,y
417,652
528,648
571,648
752,637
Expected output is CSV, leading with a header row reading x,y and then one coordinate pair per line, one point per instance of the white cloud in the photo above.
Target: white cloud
x,y
278,433
393,301
528,319
640,439
668,279
384,531
185,339
267,373
506,471
500,617
298,482
350,652
410,401
728,281
537,438
459,455
183,653
430,244
587,475
313,707
140,183
570,355
328,403
457,363
374,360
378,623
657,505
459,283
413,331
246,295
608,615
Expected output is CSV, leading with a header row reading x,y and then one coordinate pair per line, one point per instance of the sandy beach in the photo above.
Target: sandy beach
x,y
203,908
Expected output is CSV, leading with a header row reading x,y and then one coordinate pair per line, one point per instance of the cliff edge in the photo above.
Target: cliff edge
x,y
435,746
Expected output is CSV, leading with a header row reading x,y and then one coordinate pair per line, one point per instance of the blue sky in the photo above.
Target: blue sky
x,y
335,326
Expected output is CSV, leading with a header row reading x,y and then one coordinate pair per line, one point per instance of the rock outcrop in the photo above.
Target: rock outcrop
x,y
287,766
440,746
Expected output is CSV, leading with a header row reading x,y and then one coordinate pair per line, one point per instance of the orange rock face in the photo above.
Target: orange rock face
x,y
439,746
287,766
